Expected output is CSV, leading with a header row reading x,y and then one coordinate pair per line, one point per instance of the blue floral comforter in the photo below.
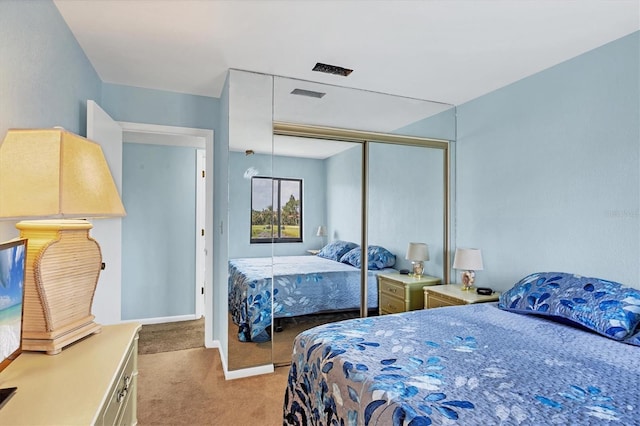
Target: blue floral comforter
x,y
302,285
465,365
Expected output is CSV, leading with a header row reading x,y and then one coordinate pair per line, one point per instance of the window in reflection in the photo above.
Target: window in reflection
x,y
276,210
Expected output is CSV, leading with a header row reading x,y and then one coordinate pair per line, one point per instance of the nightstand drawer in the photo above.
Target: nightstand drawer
x,y
392,288
452,295
435,300
390,304
402,293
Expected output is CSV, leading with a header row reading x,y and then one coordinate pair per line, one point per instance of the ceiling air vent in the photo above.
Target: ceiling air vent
x,y
332,69
309,93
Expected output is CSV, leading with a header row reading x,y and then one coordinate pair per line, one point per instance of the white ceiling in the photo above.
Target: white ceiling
x,y
448,51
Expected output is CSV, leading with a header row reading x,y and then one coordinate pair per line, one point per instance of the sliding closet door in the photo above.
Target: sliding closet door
x,y
330,176
406,196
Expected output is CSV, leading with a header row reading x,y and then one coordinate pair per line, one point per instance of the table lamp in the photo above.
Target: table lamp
x,y
321,232
469,260
417,253
59,179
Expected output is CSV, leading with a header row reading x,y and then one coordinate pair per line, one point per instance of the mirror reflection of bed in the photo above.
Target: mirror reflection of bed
x,y
402,201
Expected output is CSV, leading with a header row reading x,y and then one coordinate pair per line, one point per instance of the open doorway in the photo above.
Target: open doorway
x,y
164,244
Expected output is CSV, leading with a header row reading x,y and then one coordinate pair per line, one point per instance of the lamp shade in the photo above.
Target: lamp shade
x,y
322,231
53,173
417,251
469,259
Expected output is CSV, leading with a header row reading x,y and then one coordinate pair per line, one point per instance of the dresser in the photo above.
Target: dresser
x,y
402,293
452,295
92,381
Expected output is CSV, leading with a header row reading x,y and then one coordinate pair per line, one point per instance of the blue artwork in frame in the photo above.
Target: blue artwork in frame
x,y
12,275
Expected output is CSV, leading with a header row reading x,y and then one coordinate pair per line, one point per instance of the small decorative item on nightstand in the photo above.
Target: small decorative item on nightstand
x,y
470,260
417,253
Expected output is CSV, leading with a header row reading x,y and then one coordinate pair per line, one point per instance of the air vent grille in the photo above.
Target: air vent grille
x,y
309,93
332,69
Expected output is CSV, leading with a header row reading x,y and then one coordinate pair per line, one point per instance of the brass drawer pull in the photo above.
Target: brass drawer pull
x,y
125,389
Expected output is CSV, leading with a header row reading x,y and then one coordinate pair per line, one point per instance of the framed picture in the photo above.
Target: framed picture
x,y
12,275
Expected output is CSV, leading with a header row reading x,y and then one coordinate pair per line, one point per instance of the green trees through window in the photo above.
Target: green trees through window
x,y
276,210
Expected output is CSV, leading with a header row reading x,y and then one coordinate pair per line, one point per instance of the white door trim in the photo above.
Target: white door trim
x,y
201,139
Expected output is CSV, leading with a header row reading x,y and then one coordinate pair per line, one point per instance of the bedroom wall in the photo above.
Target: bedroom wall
x,y
548,171
45,77
311,171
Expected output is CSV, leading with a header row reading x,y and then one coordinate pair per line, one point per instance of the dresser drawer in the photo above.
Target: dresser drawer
x,y
392,288
390,304
121,392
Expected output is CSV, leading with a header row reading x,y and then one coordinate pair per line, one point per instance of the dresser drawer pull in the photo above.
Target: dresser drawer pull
x,y
125,389
391,290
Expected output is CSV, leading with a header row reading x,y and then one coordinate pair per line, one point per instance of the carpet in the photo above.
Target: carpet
x,y
171,336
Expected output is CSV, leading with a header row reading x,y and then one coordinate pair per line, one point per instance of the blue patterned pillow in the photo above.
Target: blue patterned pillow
x,y
377,257
603,306
336,249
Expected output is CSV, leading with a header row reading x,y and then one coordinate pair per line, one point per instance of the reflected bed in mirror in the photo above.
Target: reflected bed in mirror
x,y
300,285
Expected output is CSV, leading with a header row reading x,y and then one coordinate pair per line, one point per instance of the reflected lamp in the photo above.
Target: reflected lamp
x,y
53,180
417,253
321,232
468,260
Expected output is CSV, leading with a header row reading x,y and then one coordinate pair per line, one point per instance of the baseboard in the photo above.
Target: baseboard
x,y
158,320
248,372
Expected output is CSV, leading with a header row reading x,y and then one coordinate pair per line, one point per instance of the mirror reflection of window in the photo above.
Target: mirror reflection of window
x,y
276,210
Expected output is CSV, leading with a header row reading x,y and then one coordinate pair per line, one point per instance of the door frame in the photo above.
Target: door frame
x,y
201,139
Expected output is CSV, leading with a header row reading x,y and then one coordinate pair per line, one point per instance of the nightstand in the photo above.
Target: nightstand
x,y
313,251
402,293
452,295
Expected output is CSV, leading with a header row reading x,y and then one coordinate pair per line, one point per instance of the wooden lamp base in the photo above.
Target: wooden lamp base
x,y
62,271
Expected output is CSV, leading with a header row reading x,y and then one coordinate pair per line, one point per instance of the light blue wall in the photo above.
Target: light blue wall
x,y
439,126
140,105
311,171
548,171
158,250
45,77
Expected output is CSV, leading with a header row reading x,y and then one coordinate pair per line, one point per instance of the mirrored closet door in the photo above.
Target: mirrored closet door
x,y
370,169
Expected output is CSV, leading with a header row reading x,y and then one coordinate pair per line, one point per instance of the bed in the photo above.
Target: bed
x,y
302,285
556,349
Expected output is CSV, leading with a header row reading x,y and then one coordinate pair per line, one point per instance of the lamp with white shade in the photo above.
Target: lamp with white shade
x,y
59,179
417,253
468,260
321,232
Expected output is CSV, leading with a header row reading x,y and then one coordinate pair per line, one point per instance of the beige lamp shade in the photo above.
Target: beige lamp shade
x,y
417,251
322,231
52,173
469,259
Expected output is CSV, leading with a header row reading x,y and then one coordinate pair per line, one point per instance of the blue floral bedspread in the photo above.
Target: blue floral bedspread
x,y
302,285
464,365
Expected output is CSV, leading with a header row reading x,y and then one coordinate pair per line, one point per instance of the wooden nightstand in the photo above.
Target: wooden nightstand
x,y
402,293
452,295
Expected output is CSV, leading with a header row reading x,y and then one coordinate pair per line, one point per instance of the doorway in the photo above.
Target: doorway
x,y
164,181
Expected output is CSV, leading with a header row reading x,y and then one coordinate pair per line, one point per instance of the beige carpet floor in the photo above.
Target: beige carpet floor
x,y
171,336
187,387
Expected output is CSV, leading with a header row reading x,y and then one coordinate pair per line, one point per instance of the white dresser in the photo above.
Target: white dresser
x,y
93,381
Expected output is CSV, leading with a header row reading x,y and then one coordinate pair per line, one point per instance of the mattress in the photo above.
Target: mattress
x,y
466,365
